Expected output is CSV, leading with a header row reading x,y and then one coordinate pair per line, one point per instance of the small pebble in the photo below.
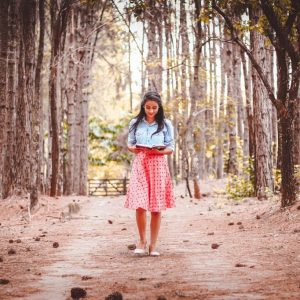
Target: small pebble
x,y
231,223
55,245
131,246
4,281
114,296
10,241
238,265
215,246
11,252
110,221
77,293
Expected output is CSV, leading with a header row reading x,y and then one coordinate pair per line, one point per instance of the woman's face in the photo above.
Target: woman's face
x,y
151,109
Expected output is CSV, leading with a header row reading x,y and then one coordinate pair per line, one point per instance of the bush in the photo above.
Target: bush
x,y
239,187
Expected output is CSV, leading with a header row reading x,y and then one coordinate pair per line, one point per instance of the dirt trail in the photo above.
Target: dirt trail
x,y
92,252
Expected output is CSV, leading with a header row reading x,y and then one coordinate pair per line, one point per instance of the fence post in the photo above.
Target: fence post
x,y
124,186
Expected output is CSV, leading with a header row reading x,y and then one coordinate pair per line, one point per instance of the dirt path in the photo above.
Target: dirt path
x,y
92,252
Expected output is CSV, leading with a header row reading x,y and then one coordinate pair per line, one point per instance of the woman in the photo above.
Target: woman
x,y
150,189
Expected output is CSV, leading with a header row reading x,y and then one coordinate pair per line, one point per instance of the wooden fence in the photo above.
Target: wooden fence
x,y
108,187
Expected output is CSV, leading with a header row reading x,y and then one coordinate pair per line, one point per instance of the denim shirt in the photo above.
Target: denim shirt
x,y
144,131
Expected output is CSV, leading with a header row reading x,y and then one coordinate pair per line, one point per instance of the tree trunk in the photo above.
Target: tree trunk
x,y
23,112
262,113
184,133
9,169
152,59
59,17
3,92
231,112
37,113
71,104
193,131
221,118
248,125
129,64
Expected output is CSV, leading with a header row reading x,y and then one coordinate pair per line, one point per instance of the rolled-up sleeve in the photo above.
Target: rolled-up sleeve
x,y
131,141
169,135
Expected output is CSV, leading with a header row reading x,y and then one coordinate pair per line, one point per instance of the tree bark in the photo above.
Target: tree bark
x,y
59,17
262,113
3,92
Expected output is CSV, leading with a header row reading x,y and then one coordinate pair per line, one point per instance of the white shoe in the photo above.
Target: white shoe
x,y
154,253
139,251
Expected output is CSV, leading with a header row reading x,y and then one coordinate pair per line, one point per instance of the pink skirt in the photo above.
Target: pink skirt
x,y
150,185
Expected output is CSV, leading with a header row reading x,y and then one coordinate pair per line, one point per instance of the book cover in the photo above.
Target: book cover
x,y
159,147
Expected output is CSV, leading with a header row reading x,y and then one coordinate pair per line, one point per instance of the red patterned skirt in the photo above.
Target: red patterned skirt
x,y
150,185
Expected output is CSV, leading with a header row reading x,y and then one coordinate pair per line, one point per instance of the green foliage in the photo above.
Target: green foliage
x,y
103,142
242,186
277,179
239,187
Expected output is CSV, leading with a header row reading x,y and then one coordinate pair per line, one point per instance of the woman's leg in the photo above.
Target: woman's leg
x,y
141,221
154,227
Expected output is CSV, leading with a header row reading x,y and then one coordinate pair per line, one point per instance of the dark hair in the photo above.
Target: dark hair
x,y
159,117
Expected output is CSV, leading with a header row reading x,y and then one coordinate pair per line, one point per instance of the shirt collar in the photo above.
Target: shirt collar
x,y
154,123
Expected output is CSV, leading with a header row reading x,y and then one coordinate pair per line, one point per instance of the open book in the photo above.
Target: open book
x,y
159,147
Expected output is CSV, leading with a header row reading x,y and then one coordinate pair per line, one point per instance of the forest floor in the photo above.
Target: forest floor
x,y
258,258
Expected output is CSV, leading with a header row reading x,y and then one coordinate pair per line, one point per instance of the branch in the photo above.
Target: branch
x,y
254,63
290,21
281,33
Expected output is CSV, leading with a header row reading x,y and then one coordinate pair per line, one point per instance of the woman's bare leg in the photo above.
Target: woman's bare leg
x,y
154,228
141,221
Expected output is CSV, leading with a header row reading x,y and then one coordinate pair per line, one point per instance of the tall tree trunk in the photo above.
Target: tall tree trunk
x,y
274,113
71,104
262,112
9,169
152,59
143,67
129,65
231,113
37,113
59,17
26,94
184,97
3,92
193,137
220,120
248,150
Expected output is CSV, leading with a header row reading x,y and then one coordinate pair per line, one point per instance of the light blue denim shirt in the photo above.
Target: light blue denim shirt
x,y
144,131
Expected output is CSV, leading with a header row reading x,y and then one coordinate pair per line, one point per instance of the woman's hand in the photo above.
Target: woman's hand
x,y
156,151
133,149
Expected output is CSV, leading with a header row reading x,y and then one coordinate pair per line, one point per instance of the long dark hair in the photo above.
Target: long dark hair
x,y
159,117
